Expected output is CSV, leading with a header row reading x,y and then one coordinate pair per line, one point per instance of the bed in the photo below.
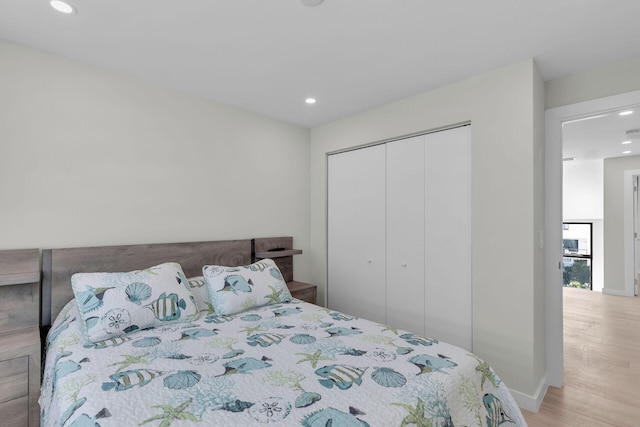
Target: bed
x,y
281,362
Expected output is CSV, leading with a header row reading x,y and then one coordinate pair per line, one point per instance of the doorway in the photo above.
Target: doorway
x,y
636,236
555,118
631,232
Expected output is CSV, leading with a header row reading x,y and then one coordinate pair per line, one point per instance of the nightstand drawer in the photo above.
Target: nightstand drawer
x,y
14,378
15,413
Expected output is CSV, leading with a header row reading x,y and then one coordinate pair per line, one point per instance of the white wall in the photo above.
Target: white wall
x,y
505,108
610,79
583,201
582,189
92,157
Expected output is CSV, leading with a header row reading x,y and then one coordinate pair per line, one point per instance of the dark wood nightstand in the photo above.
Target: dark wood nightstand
x,y
303,291
19,337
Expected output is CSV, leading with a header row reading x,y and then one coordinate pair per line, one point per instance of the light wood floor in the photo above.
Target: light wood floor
x,y
601,364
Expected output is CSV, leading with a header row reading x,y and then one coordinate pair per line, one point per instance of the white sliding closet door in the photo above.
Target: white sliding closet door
x,y
405,234
356,228
399,234
447,219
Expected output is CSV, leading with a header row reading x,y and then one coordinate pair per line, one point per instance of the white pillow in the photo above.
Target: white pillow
x,y
235,289
114,304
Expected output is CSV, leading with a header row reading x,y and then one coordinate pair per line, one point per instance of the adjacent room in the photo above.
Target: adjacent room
x,y
308,212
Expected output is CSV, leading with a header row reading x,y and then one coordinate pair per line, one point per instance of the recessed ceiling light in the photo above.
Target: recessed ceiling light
x,y
626,142
626,152
310,100
62,6
625,113
311,2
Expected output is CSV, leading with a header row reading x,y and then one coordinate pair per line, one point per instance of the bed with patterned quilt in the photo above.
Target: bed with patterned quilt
x,y
232,348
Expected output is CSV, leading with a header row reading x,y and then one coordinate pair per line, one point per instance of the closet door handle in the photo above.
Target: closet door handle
x,y
403,263
369,261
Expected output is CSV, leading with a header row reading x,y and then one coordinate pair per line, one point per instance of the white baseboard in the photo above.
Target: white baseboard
x,y
615,292
531,403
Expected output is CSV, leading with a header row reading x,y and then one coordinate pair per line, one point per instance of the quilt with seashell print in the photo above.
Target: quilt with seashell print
x,y
284,364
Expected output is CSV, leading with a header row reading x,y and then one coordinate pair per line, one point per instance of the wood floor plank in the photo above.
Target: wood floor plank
x,y
602,364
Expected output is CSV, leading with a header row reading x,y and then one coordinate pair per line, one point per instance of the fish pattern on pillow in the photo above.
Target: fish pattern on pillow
x,y
235,289
115,304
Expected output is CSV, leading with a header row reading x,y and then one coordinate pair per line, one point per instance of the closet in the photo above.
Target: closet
x,y
399,234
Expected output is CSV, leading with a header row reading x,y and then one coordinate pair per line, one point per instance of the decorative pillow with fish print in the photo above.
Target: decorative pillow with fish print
x,y
235,289
114,304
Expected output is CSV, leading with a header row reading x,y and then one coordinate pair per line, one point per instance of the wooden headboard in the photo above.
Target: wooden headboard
x,y
58,265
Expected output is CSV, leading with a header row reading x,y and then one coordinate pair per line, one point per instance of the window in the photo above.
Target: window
x,y
577,250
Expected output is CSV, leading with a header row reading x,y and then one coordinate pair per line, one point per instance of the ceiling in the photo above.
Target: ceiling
x,y
352,55
601,136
